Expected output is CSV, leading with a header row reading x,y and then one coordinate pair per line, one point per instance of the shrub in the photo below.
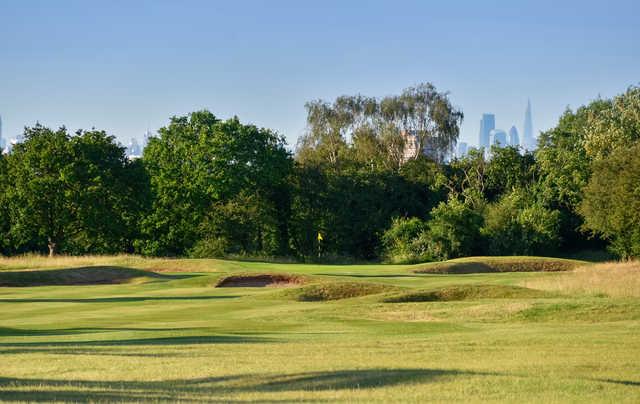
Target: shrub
x,y
453,231
518,225
402,242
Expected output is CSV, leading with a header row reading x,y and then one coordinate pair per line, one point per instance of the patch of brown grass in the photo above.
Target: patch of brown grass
x,y
615,279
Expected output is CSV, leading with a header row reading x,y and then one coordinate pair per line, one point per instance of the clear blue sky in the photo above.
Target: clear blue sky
x,y
124,66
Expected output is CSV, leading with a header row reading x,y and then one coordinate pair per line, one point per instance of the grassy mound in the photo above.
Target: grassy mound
x,y
337,291
99,275
474,265
467,292
259,281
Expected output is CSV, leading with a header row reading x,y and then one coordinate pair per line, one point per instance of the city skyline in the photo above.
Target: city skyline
x,y
127,72
487,137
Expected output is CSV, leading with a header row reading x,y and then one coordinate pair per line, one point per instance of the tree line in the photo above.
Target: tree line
x,y
353,189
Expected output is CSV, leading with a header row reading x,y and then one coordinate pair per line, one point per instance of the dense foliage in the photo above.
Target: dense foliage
x,y
75,194
358,187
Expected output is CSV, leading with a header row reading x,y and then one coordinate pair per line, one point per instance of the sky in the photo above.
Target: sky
x,y
128,66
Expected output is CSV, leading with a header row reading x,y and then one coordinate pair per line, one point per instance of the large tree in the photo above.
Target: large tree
x,y
375,132
567,153
199,163
611,204
71,193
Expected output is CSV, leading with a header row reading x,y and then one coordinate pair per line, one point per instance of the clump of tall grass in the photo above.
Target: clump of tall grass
x,y
615,279
37,261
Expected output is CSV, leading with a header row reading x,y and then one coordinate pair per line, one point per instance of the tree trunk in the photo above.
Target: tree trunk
x,y
52,248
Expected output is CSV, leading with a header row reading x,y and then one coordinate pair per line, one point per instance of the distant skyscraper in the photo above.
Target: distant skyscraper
x,y
514,139
529,142
487,124
463,147
133,149
498,137
145,138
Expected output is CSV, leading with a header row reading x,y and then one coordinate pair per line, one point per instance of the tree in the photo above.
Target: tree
x,y
110,195
611,204
508,169
199,163
564,169
374,131
616,124
4,207
74,194
567,153
41,187
243,225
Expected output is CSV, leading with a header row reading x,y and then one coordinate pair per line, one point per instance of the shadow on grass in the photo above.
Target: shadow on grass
x,y
183,340
98,275
124,299
205,388
20,332
623,382
416,275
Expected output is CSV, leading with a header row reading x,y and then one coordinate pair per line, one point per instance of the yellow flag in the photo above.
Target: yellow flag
x,y
320,238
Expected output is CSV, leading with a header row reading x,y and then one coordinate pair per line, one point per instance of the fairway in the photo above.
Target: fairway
x,y
324,333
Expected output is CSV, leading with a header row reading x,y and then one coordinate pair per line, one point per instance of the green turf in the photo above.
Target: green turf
x,y
176,337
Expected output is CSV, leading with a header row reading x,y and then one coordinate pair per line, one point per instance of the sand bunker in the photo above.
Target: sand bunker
x,y
259,281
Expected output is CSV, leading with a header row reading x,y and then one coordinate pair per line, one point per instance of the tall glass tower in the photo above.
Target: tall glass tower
x,y
514,139
487,124
529,140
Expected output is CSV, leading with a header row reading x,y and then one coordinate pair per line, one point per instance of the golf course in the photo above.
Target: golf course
x,y
131,329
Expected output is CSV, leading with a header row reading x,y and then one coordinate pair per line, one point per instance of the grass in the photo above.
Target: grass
x,y
610,279
172,336
500,264
467,292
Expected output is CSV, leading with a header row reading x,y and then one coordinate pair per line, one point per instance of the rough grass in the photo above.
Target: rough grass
x,y
97,275
336,291
615,279
467,292
499,264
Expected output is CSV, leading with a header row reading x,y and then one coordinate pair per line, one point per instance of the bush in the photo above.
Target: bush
x,y
453,231
518,225
214,247
402,242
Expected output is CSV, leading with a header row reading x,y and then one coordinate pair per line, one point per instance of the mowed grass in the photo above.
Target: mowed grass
x,y
359,333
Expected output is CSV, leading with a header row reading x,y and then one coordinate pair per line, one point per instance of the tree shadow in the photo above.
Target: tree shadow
x,y
182,340
93,275
21,332
199,389
124,299
623,382
416,275
357,379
